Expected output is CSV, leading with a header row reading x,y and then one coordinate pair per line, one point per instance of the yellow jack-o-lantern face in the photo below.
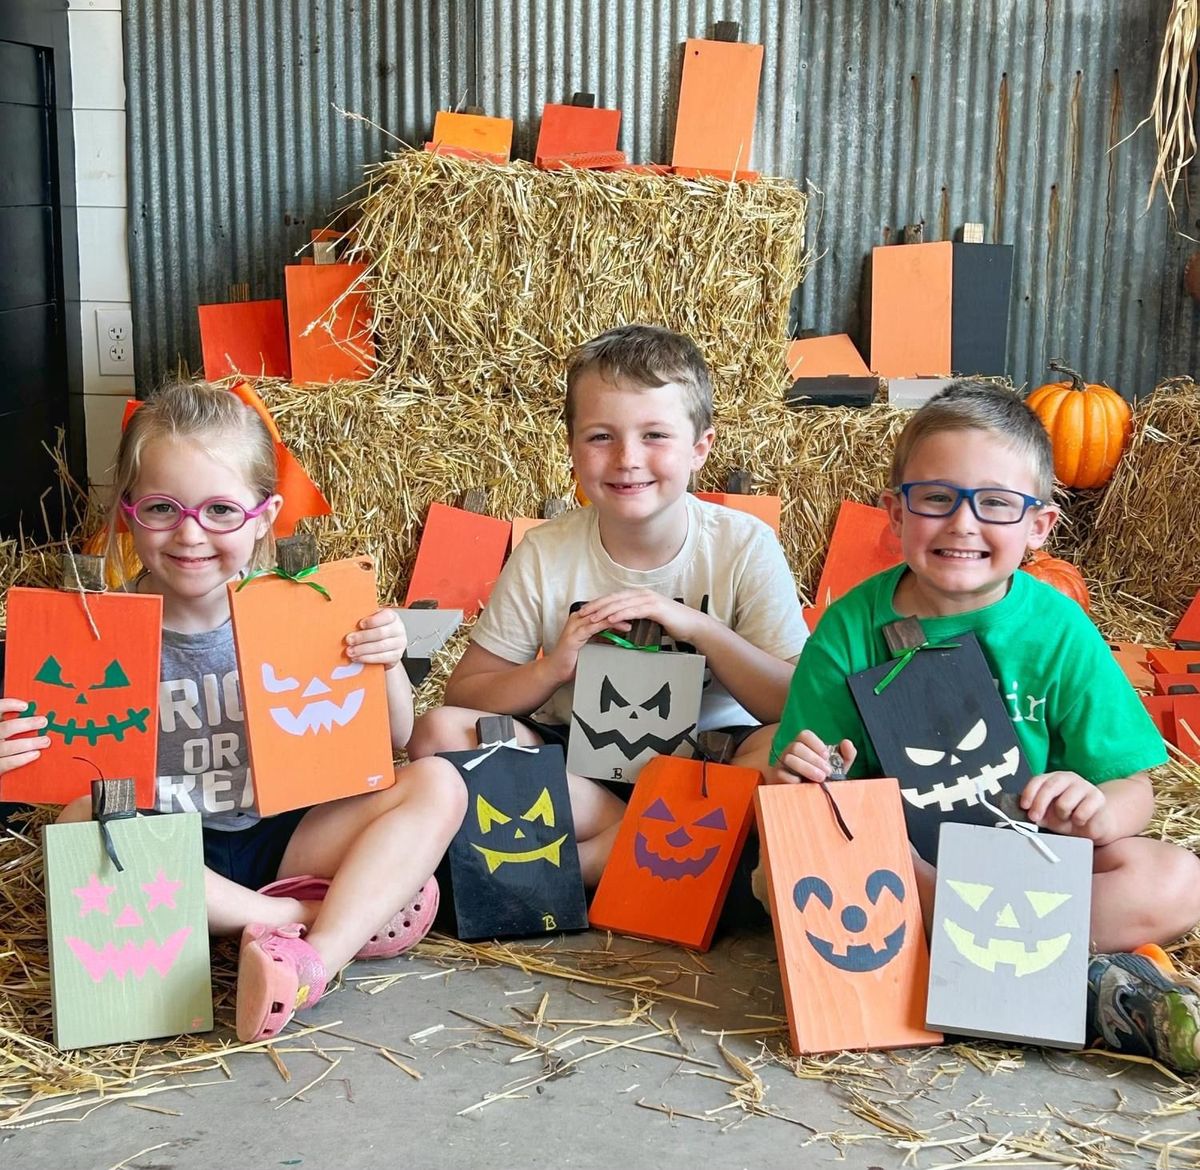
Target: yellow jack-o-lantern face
x,y
529,827
331,703
99,709
1005,929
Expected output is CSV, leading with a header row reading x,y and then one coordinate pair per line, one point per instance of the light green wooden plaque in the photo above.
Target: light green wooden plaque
x,y
128,951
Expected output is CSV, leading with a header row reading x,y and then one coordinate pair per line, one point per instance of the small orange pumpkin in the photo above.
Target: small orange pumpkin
x,y
1062,575
1088,425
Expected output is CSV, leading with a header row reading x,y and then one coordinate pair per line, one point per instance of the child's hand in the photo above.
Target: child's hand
x,y
618,611
579,629
1064,802
16,752
807,758
378,638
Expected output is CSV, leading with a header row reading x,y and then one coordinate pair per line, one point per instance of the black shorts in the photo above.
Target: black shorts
x,y
251,857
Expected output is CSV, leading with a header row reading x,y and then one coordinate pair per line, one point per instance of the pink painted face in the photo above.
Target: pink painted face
x,y
958,562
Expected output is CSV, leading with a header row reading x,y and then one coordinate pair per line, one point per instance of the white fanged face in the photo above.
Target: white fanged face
x,y
322,714
963,790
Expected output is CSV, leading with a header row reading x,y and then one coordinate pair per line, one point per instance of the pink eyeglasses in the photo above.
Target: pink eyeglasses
x,y
162,513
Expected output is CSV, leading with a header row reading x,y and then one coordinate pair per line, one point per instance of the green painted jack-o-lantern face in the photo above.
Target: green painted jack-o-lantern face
x,y
93,724
509,832
990,945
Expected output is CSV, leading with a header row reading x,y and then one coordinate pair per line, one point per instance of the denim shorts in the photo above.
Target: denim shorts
x,y
251,857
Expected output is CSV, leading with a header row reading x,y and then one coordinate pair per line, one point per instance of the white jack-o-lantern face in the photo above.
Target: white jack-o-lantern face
x,y
957,777
1005,928
329,705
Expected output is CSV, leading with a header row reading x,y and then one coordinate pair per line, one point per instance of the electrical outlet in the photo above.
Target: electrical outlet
x,y
114,336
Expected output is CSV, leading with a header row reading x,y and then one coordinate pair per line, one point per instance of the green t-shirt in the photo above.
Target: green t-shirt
x,y
1070,704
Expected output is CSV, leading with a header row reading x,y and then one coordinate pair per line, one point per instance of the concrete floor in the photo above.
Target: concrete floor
x,y
606,1105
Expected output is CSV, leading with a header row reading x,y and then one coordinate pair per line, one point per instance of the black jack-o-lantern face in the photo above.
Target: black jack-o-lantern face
x,y
958,776
501,849
856,923
1001,935
671,850
636,725
326,709
90,725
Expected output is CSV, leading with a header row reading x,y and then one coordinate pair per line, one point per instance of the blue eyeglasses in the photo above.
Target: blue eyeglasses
x,y
931,497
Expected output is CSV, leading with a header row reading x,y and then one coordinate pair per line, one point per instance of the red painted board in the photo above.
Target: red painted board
x,y
676,850
1164,682
1161,709
1188,629
459,558
1164,661
567,130
910,310
247,337
1187,725
766,508
1131,658
852,953
862,544
98,687
328,344
718,99
823,357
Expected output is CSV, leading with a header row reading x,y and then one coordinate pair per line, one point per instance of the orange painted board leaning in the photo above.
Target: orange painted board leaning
x,y
576,130
822,357
1187,633
472,134
329,324
718,100
1164,661
862,544
459,558
316,723
90,664
675,852
910,310
246,337
852,951
767,508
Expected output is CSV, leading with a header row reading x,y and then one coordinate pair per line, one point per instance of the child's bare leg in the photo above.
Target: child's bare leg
x,y
452,729
925,876
378,850
80,809
597,815
231,907
755,750
1143,891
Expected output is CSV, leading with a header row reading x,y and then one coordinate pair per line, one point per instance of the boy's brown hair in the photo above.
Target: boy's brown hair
x,y
641,357
981,406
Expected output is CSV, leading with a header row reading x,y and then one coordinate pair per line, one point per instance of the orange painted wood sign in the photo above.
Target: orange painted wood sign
x,y
862,544
1132,659
90,664
675,852
718,99
1164,683
1187,634
822,357
1161,708
852,951
472,136
1186,716
521,526
766,508
571,132
316,723
1163,661
329,324
910,310
459,558
248,337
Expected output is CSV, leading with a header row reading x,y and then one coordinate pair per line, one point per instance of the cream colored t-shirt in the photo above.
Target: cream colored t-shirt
x,y
730,567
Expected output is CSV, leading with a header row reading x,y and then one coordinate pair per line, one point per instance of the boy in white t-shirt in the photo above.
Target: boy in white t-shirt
x,y
639,424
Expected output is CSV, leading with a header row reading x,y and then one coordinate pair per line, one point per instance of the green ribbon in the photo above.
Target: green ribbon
x,y
626,644
298,578
905,658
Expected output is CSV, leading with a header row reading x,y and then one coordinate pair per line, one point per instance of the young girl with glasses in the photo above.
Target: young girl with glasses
x,y
308,889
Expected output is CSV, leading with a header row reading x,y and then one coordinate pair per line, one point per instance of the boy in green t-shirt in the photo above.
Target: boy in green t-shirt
x,y
970,485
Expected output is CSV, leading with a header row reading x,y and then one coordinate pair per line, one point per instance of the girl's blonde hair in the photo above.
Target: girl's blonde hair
x,y
220,424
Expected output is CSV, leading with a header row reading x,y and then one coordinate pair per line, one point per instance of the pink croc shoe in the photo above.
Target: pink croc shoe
x,y
404,929
278,973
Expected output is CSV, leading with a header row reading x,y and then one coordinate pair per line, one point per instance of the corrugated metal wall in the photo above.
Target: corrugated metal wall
x,y
1000,111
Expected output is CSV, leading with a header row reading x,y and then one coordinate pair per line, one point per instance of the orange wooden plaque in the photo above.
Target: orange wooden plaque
x,y
675,852
910,310
1161,708
97,687
522,525
1164,682
248,337
575,130
822,357
1188,629
1163,661
718,99
766,508
1186,717
1132,659
317,724
472,134
852,952
862,544
329,327
459,558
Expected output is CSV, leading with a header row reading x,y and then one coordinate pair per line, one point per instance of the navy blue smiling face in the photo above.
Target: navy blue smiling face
x,y
860,936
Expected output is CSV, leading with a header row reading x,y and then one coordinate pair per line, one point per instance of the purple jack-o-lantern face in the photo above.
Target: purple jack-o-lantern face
x,y
331,703
672,850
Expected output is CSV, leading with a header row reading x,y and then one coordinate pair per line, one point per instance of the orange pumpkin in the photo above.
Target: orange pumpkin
x,y
1089,426
1062,575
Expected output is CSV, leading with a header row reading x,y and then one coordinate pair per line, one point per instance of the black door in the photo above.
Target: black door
x,y
33,366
